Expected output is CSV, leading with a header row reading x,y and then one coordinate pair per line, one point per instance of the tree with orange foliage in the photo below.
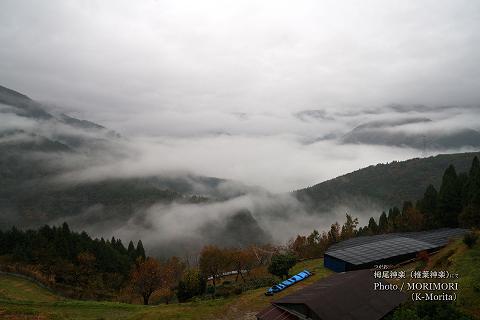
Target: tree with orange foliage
x,y
166,294
213,262
299,246
173,270
415,219
85,272
334,233
147,277
177,267
242,260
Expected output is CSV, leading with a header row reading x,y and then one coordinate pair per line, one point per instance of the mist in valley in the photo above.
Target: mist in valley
x,y
230,112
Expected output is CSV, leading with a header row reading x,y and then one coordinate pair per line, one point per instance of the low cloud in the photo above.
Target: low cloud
x,y
182,229
259,168
277,163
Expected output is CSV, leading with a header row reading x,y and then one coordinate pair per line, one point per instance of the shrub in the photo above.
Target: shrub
x,y
281,264
228,289
210,289
405,314
191,285
428,311
424,256
470,239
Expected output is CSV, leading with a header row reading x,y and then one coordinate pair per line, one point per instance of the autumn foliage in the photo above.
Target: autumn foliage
x,y
151,275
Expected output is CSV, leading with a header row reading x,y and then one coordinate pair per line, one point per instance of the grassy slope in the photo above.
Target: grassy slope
x,y
21,299
14,288
458,258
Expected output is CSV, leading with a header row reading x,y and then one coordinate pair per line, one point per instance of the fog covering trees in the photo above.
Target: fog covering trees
x,y
456,204
315,244
471,197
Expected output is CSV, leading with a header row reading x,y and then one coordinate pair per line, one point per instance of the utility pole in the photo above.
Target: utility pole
x,y
424,153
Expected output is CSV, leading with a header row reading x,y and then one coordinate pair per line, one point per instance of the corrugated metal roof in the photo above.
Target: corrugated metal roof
x,y
383,249
438,237
275,313
365,249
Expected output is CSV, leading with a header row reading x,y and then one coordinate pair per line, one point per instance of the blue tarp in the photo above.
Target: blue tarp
x,y
287,283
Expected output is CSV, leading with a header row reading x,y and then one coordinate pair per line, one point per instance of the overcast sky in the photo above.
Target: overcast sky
x,y
247,69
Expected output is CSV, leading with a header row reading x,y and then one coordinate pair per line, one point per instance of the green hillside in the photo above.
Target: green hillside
x,y
386,184
18,289
456,258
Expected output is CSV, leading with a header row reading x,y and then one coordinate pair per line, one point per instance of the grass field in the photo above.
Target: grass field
x,y
22,299
14,288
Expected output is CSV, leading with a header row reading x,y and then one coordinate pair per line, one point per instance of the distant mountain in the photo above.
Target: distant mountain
x,y
238,230
35,148
38,121
22,105
390,133
307,115
383,184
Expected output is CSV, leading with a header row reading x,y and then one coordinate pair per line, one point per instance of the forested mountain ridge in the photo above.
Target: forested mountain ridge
x,y
37,146
386,184
394,133
36,118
